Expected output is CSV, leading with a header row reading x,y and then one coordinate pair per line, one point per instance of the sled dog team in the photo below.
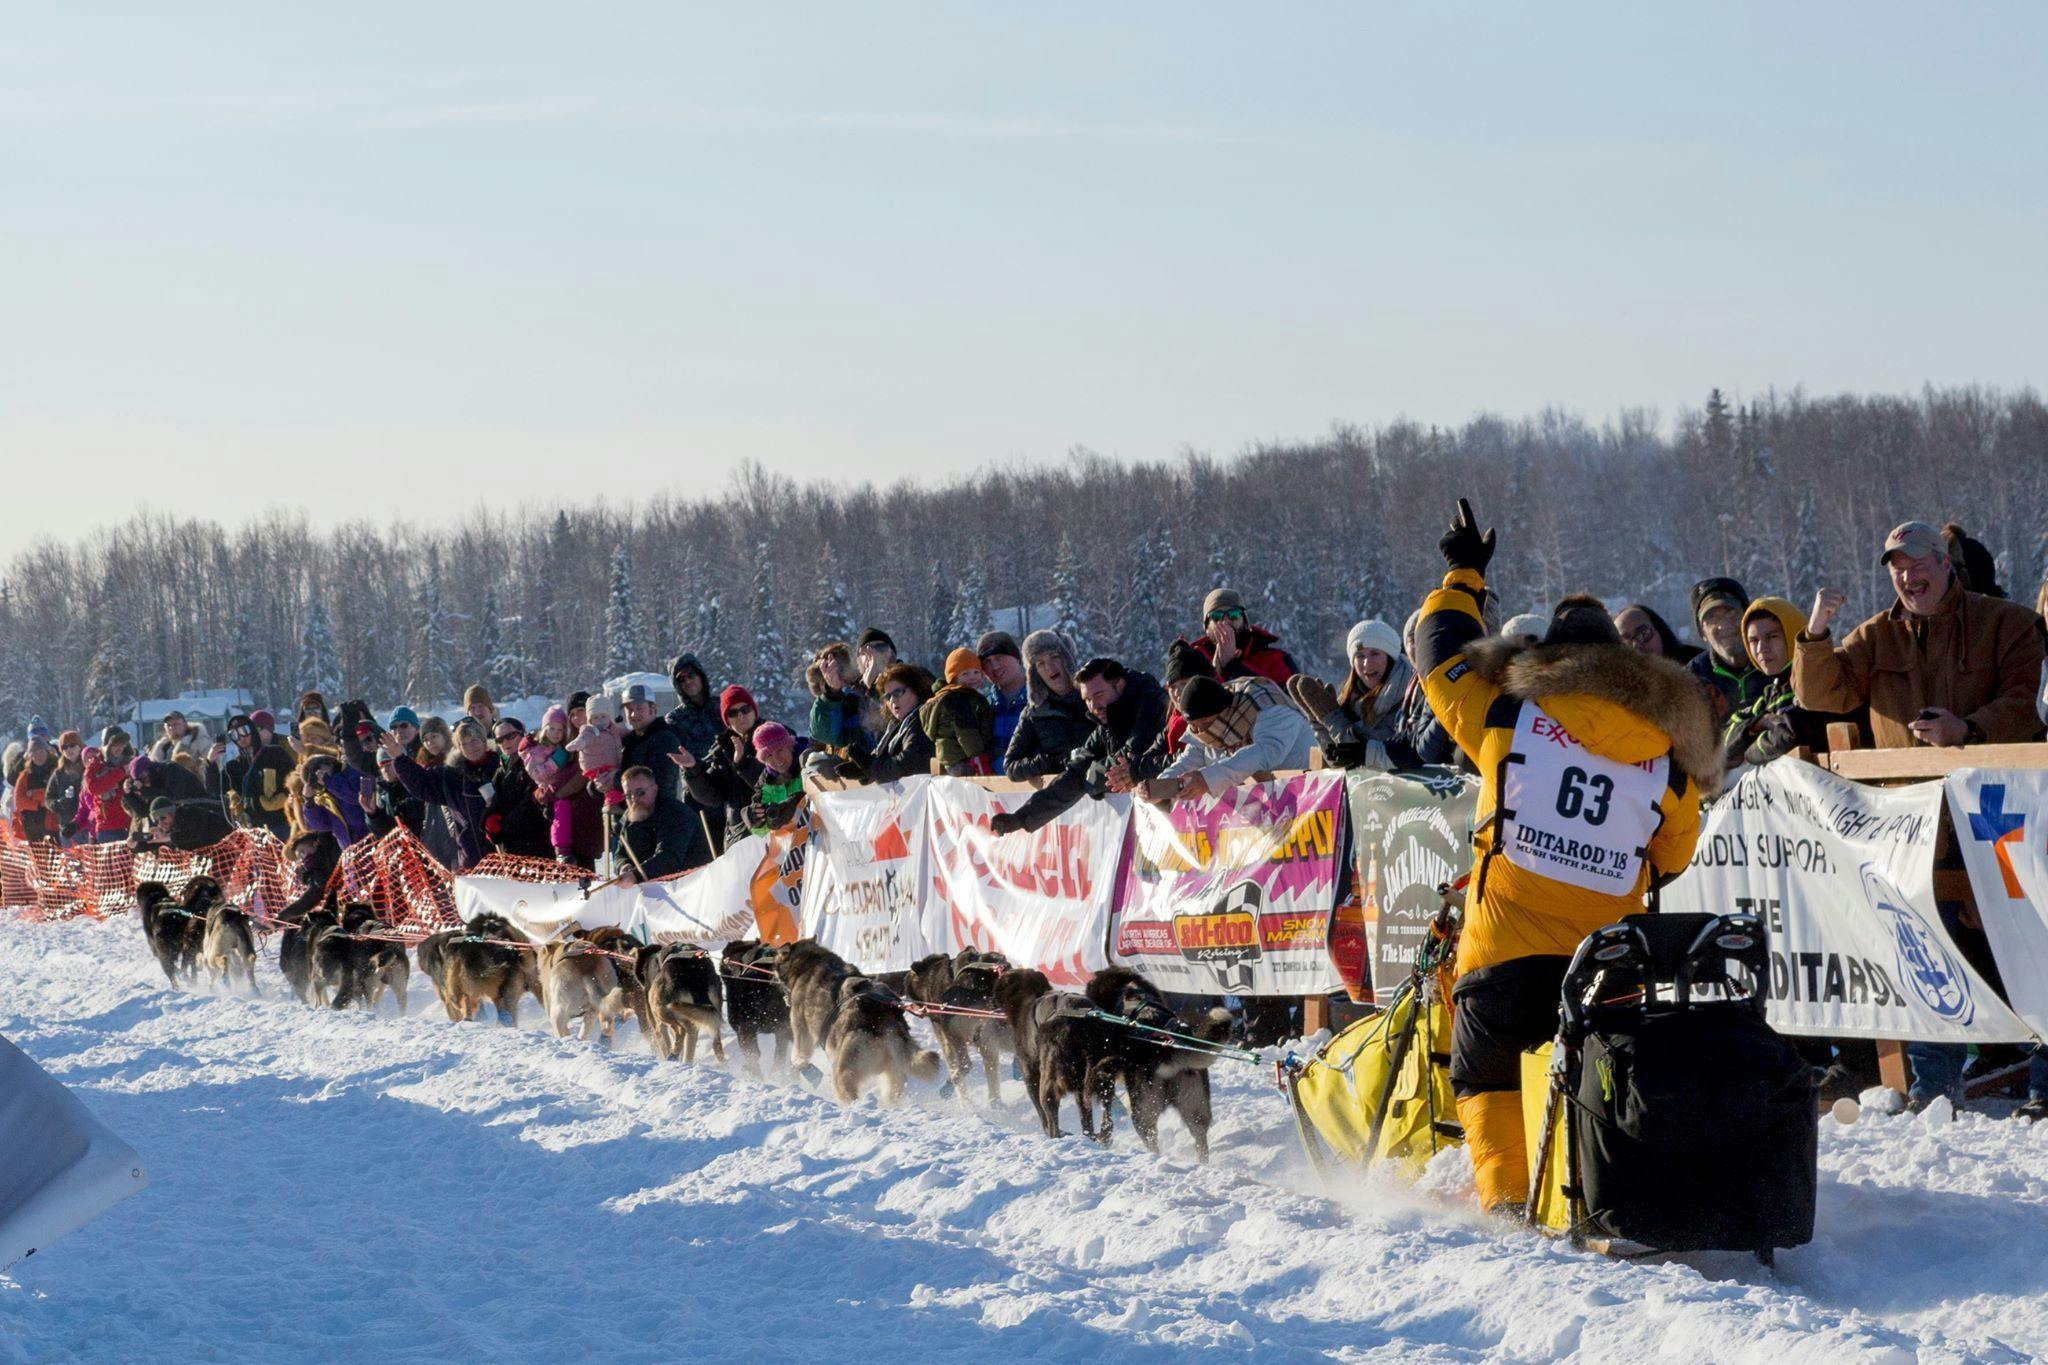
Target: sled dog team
x,y
1118,1030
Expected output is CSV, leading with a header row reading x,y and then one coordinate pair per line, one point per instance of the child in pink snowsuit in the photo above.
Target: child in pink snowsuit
x,y
555,777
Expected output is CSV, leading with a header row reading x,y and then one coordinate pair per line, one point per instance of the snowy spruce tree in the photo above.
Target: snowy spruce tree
x,y
1069,614
319,659
771,663
426,675
938,616
970,608
623,650
831,610
706,638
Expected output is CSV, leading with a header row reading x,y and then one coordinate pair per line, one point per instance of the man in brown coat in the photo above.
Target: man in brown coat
x,y
1942,665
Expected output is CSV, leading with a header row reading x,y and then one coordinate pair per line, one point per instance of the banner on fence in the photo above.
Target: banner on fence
x,y
864,876
1232,893
1410,834
776,888
1843,877
1039,897
711,905
2001,825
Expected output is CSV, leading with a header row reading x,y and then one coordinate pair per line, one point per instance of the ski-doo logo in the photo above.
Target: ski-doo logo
x,y
1924,962
1226,937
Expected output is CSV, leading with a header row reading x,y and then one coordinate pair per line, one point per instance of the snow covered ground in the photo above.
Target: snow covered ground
x,y
345,1187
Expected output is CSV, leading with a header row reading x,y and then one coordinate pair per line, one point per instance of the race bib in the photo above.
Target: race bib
x,y
1572,816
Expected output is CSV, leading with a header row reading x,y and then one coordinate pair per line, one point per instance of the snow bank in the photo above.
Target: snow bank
x,y
349,1187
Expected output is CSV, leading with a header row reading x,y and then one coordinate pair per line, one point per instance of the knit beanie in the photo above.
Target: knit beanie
x,y
475,694
405,715
998,642
1222,599
962,660
1373,634
556,714
735,695
874,635
1529,625
1201,698
771,736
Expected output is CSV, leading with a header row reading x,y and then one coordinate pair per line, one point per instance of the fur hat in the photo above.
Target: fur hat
x,y
1037,645
314,730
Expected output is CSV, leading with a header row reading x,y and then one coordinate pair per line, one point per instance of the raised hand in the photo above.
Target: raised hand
x,y
1463,546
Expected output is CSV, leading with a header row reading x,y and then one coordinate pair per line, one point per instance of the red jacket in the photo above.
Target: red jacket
x,y
1259,656
103,785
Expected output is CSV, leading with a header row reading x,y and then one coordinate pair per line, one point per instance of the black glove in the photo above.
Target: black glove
x,y
1344,754
1008,822
1462,546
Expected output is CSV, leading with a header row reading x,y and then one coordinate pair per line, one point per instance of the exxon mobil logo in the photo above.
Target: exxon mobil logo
x,y
1923,959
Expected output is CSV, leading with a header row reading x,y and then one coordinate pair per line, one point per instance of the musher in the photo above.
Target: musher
x,y
1593,758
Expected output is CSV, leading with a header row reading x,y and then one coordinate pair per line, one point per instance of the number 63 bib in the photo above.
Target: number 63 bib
x,y
1572,816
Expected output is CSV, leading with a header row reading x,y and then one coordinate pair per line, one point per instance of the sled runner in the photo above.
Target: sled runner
x,y
1672,1117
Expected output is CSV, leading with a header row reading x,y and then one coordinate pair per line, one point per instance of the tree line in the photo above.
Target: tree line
x,y
1785,492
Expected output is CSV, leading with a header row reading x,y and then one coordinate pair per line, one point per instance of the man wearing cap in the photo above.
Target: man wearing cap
x,y
873,653
652,740
1723,667
1941,665
1233,648
254,775
1234,733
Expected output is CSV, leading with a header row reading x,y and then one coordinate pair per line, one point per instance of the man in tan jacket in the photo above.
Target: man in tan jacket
x,y
1942,665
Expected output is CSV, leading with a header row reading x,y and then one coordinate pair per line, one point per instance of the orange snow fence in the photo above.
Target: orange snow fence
x,y
43,881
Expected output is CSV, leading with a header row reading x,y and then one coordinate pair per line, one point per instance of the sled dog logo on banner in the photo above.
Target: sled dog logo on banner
x,y
1923,962
1226,936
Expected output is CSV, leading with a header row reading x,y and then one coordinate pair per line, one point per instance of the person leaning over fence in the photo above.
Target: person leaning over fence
x,y
460,787
659,835
1130,717
1592,759
1234,733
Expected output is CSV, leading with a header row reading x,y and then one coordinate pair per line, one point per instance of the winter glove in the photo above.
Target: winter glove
x,y
1349,754
1317,700
1008,822
1463,547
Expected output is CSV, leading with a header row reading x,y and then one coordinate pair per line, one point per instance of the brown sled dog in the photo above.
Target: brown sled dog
x,y
173,931
869,1040
1062,1049
578,982
684,999
228,947
467,972
965,981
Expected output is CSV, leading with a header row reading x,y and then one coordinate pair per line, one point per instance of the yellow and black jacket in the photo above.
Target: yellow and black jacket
x,y
1593,760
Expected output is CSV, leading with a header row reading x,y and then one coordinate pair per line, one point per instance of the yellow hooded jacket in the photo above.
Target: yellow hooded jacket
x,y
1637,751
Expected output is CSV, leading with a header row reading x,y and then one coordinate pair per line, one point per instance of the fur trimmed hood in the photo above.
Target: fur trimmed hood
x,y
1659,692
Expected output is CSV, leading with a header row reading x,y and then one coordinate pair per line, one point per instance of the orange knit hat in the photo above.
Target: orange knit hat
x,y
962,660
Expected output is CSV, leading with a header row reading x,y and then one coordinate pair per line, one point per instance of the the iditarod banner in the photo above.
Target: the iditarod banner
x,y
1843,878
2001,824
1040,897
709,905
1232,893
864,875
1410,833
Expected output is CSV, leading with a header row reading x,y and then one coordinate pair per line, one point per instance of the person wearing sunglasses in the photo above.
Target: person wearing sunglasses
x,y
724,780
904,750
66,784
1233,648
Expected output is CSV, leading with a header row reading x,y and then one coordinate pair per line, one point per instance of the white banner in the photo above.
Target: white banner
x,y
709,905
1843,877
1039,897
2001,825
863,892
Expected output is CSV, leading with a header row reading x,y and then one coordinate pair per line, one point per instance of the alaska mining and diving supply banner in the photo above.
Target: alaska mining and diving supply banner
x,y
1843,877
1411,833
1232,894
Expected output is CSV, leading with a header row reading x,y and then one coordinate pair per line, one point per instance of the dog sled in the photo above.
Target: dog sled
x,y
1380,1090
1668,1116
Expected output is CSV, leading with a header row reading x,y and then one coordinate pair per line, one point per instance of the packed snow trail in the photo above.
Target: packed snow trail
x,y
337,1186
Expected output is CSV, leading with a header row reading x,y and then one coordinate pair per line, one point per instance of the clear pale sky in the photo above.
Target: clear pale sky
x,y
384,259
